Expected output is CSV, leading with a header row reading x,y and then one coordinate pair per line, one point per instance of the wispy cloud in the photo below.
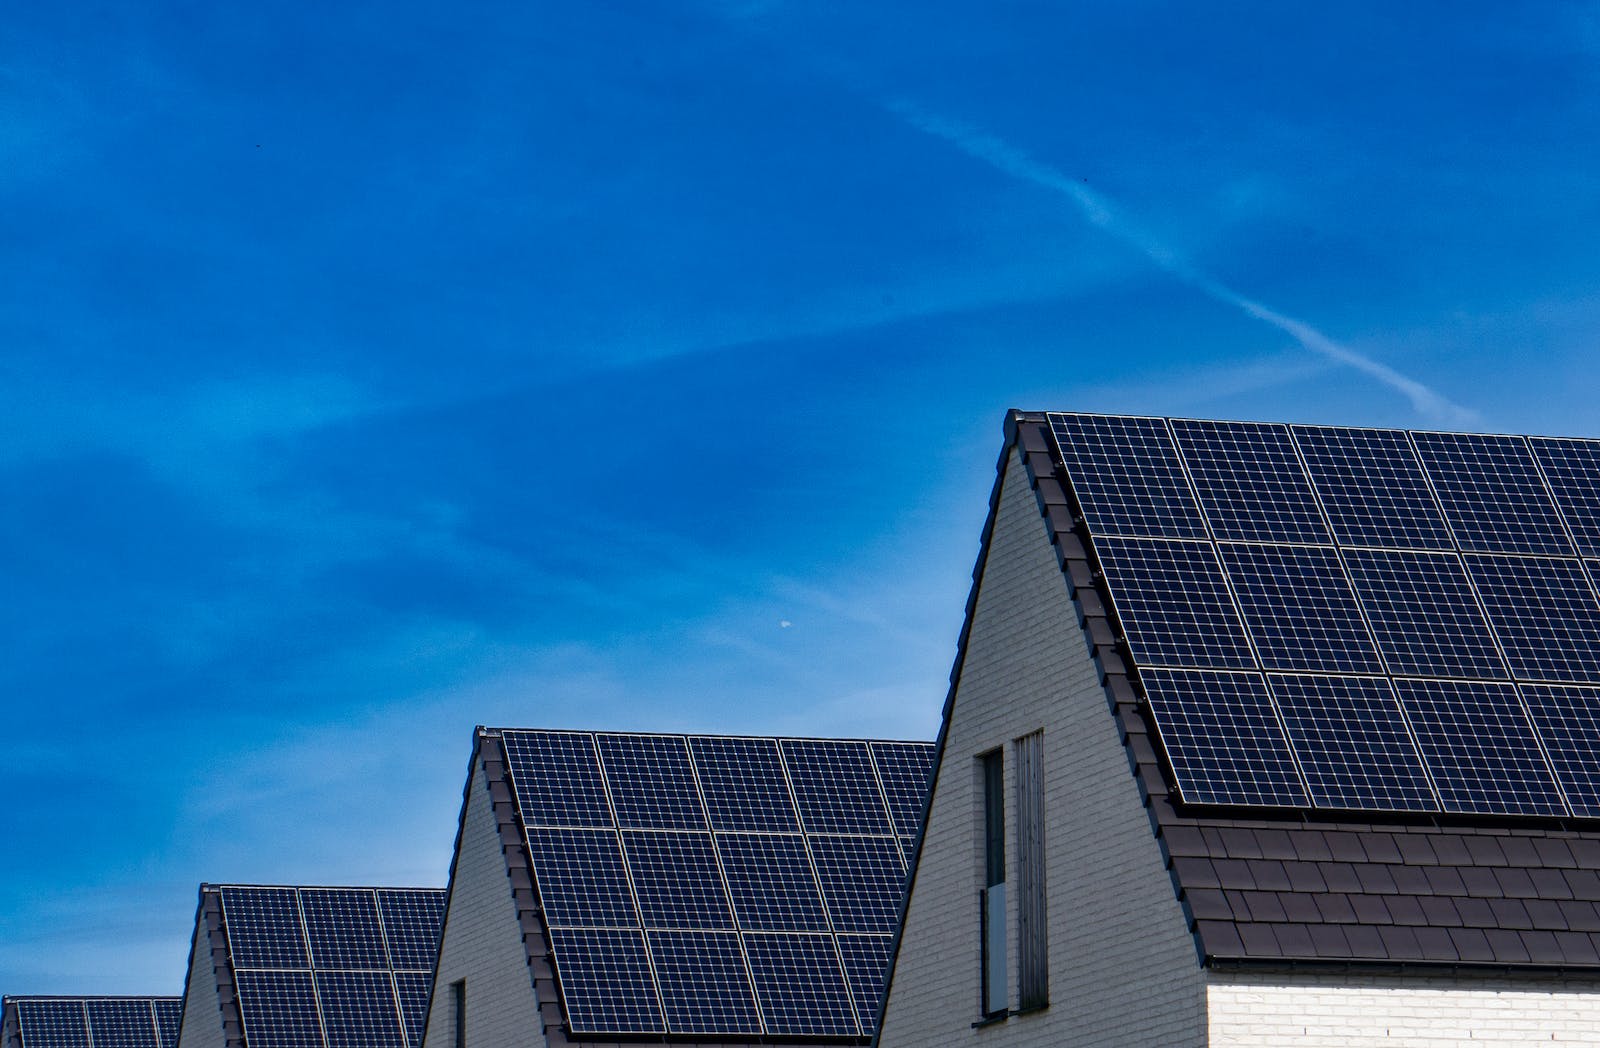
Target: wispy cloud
x,y
1103,214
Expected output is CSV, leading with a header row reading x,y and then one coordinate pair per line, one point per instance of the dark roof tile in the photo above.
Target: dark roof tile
x,y
1553,852
1439,910
1207,904
1328,940
1259,942
1404,909
1185,841
1370,909
1475,913
1269,875
1264,907
1510,913
1545,914
1310,845
1233,873
1585,852
1450,849
1220,938
1444,880
1506,946
1519,851
1240,843
1304,877
1542,947
1294,940
1481,882
1275,844
1410,880
1415,849
1365,942
1515,883
1400,944
1340,876
1335,908
1550,884
1346,847
1375,879
1195,873
1485,851
1436,944
1581,916
1576,948
1380,847
1300,907
1585,884
1470,944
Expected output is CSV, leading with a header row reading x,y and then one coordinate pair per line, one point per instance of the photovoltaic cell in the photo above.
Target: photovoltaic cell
x,y
53,1024
1544,613
866,964
582,880
1250,481
1372,487
279,1009
1352,743
557,778
359,1010
771,882
264,928
704,986
413,989
169,1013
1491,493
343,927
1568,720
120,1024
1423,611
676,878
1479,747
1127,477
904,768
652,783
799,984
1173,604
1299,609
412,920
1222,738
744,785
1573,469
861,881
605,981
835,786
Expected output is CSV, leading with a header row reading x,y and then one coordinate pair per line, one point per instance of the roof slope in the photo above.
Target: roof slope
x,y
1302,873
78,1022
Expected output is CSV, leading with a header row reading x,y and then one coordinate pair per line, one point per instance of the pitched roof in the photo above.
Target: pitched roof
x,y
724,889
78,1022
1306,877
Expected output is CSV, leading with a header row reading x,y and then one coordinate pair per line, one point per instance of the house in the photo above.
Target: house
x,y
90,1022
1267,735
617,887
310,967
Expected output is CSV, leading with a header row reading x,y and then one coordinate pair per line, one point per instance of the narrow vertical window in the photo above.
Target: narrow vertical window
x,y
458,1001
995,988
1033,985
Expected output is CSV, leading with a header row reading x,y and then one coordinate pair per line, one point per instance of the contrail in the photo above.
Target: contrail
x,y
1102,214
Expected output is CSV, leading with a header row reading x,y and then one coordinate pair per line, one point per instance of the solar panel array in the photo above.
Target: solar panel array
x,y
97,1022
1354,619
718,886
332,967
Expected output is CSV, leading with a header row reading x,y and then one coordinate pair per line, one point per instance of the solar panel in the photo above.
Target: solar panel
x,y
359,1010
279,1009
342,924
744,785
117,1023
53,1024
582,879
1479,747
1545,614
1568,722
905,770
861,881
1222,738
1250,481
1572,468
1299,610
1424,613
800,986
606,982
557,779
652,783
413,988
770,879
704,986
1352,743
1174,604
1372,487
866,964
1491,493
412,919
835,786
677,880
1133,483
169,1013
264,929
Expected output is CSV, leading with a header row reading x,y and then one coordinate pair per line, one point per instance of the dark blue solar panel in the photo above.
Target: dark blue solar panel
x,y
342,924
1479,747
1491,493
1545,615
169,1013
1222,738
799,984
412,921
605,981
359,1010
908,848
1126,476
652,783
904,769
704,986
1573,469
835,786
744,784
1424,613
1352,743
557,778
413,988
1173,604
582,880
771,882
53,1024
1568,721
677,881
1250,481
117,1023
866,964
264,928
1299,609
279,1009
1372,487
861,881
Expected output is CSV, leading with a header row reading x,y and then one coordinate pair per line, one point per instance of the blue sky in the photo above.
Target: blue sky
x,y
369,371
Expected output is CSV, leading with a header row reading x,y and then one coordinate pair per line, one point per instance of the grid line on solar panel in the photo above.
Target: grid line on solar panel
x,y
1571,470
582,879
743,783
1298,608
1371,487
1126,476
1424,613
412,921
1173,604
861,879
1492,494
607,984
771,882
676,880
359,1009
1479,747
904,769
1222,738
56,1024
1250,481
652,784
412,989
705,986
835,786
264,927
121,1024
279,1009
866,965
556,776
343,929
1545,615
169,1013
799,985
1353,745
1568,721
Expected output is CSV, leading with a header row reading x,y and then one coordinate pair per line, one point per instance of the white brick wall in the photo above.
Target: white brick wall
x,y
1249,1010
1123,969
202,1011
483,944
